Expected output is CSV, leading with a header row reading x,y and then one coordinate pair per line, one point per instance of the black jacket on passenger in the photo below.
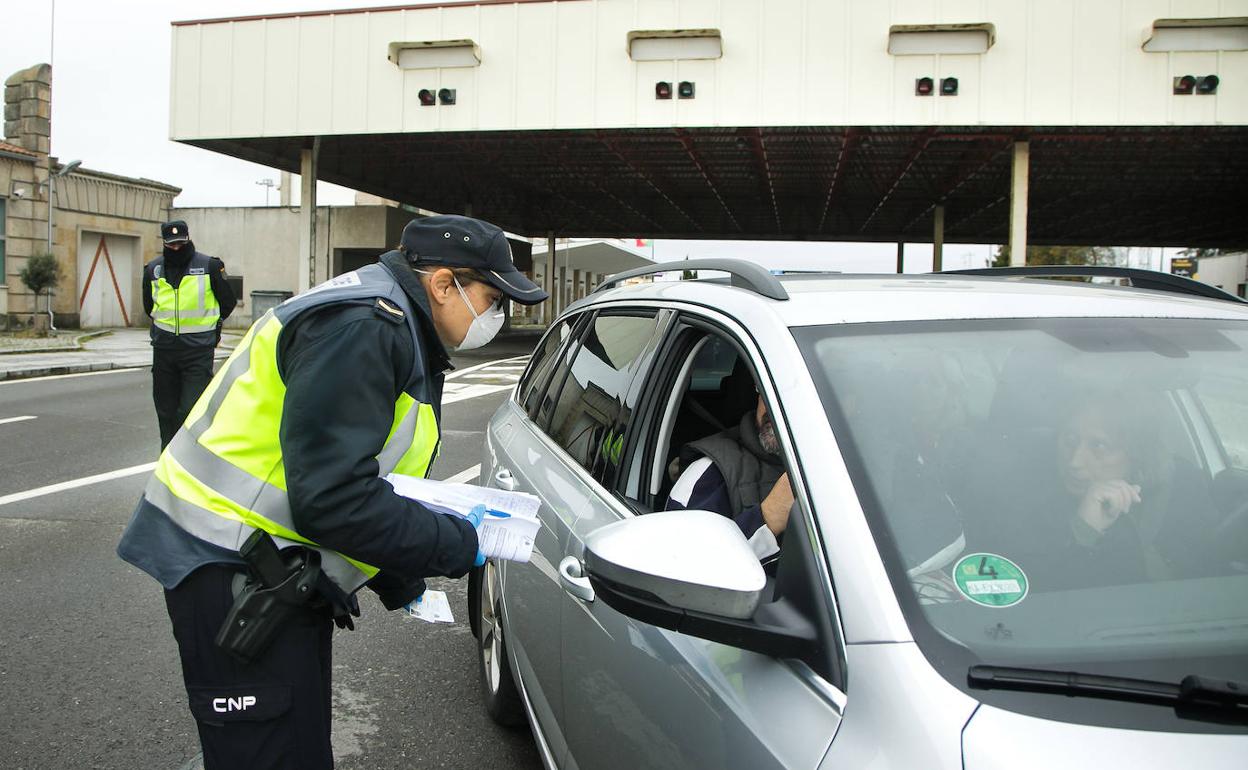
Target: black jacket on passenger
x,y
175,263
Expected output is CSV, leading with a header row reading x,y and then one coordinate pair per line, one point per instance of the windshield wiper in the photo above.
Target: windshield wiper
x,y
1194,696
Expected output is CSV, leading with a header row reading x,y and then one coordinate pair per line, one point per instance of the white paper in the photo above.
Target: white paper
x,y
508,530
431,607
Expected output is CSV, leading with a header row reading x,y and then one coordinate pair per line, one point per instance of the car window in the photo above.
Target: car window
x,y
1221,392
534,380
712,363
589,415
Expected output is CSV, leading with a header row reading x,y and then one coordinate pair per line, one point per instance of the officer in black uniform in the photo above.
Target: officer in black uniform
x,y
187,297
337,364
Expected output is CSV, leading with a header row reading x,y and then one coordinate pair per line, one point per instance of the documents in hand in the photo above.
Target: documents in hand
x,y
510,524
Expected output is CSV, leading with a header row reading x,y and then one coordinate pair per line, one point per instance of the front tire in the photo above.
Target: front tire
x,y
498,685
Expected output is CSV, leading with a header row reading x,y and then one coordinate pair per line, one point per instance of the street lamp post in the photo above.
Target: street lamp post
x,y
52,177
267,184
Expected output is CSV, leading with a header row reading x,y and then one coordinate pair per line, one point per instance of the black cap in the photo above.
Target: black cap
x,y
456,241
175,232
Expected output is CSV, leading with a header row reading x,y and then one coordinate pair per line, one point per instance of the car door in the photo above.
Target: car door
x,y
532,598
637,696
549,452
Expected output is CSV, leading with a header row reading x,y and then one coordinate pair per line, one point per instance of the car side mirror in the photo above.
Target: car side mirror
x,y
693,572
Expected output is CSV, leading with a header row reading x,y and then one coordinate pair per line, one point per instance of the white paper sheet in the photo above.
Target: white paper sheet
x,y
431,607
508,530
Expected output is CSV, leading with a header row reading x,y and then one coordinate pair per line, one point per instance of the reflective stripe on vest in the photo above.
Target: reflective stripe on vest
x,y
223,474
189,308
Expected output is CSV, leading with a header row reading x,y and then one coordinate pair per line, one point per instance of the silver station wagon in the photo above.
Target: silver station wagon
x,y
826,521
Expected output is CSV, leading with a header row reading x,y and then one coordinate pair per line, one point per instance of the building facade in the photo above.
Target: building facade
x,y
102,228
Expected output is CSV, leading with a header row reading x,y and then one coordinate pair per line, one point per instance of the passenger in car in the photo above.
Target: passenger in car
x,y
739,473
1076,520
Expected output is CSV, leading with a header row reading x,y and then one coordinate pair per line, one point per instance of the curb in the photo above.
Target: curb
x,y
55,371
76,346
51,371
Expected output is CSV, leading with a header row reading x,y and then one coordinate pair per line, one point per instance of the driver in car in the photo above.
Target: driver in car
x,y
739,473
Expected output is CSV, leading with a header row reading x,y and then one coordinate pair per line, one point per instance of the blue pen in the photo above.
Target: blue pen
x,y
497,514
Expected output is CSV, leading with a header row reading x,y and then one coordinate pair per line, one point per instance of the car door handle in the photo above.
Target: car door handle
x,y
505,480
572,576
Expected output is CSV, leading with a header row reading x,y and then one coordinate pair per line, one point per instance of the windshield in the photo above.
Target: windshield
x,y
1066,494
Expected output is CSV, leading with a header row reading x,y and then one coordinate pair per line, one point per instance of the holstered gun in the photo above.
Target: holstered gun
x,y
278,586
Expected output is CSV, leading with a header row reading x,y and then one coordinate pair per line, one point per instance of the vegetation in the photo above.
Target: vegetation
x,y
1204,253
1059,255
41,274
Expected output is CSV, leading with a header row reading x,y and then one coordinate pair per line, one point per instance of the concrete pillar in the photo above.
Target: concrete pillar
x,y
938,239
28,109
1018,203
563,287
305,263
576,285
901,258
283,190
551,306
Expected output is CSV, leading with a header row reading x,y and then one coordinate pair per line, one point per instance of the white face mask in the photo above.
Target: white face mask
x,y
484,326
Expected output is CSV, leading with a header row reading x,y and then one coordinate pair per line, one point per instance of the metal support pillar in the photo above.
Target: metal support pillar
x,y
551,306
1019,177
901,258
306,263
938,239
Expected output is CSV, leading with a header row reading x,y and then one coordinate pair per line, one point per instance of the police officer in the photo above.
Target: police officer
x,y
326,394
187,297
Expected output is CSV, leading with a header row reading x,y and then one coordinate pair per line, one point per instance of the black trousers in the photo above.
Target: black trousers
x,y
271,714
179,376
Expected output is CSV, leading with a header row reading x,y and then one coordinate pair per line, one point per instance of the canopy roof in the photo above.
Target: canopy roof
x,y
1148,186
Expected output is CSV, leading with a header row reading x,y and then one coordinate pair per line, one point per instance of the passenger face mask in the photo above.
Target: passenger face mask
x,y
484,326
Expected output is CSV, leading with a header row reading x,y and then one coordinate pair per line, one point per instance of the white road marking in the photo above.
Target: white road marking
x,y
67,376
492,370
474,391
470,391
465,476
17,497
23,418
461,372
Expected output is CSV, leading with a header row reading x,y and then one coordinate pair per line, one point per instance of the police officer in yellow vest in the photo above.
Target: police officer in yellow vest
x,y
187,297
325,395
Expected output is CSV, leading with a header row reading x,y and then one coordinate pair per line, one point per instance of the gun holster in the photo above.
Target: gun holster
x,y
261,609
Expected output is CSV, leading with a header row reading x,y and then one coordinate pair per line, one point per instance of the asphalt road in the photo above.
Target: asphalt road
x,y
89,674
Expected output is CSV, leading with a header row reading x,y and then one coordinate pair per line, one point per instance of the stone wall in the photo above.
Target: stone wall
x,y
26,229
28,109
23,183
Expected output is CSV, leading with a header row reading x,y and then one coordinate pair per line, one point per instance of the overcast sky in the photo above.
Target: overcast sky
x,y
110,109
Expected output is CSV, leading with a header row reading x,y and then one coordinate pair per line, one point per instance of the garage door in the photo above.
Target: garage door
x,y
104,273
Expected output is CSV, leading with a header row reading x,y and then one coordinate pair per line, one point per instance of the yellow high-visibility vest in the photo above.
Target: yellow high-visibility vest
x,y
190,307
223,476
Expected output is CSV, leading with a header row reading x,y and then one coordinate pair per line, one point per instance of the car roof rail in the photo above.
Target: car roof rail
x,y
1139,278
743,274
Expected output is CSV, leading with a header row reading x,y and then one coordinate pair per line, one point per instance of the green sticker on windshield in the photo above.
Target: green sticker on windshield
x,y
990,580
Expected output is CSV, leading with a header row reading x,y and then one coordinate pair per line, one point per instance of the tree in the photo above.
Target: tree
x,y
42,273
1059,255
1205,253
